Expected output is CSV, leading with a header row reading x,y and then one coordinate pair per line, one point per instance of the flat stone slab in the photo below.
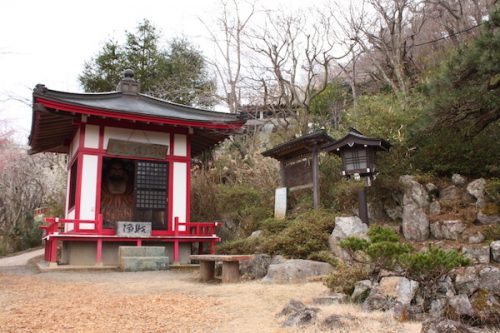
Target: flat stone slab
x,y
139,264
141,251
44,267
220,257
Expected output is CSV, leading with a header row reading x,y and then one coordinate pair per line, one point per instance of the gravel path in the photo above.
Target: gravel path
x,y
20,259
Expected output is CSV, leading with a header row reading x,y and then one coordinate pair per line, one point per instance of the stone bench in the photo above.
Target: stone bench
x,y
230,266
142,258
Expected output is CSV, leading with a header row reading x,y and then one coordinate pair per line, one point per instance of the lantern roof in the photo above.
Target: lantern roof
x,y
299,147
356,138
56,115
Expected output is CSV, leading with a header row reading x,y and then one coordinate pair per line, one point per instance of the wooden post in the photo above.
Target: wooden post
x,y
362,206
315,176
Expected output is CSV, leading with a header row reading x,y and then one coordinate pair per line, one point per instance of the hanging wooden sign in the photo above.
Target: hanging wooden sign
x,y
136,149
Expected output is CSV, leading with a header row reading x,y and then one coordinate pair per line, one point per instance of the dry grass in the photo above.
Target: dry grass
x,y
163,302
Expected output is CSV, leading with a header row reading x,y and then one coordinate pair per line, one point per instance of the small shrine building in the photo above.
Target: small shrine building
x,y
129,161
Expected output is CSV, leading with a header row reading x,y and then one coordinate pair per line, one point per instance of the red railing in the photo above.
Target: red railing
x,y
56,225
196,228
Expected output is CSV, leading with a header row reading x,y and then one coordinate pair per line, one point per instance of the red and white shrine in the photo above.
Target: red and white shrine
x,y
129,160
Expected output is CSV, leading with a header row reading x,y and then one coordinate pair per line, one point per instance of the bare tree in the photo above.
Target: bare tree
x,y
228,41
26,182
295,59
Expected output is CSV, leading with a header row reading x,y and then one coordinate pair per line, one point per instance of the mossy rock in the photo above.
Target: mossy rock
x,y
491,209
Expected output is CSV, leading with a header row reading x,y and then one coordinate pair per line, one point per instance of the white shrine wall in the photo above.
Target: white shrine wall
x,y
89,192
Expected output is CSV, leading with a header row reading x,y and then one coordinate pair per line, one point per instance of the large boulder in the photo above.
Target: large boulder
x,y
477,253
301,318
437,307
391,291
445,286
296,270
495,251
361,290
291,307
376,301
297,314
489,279
447,229
476,189
255,268
348,226
460,306
466,280
415,206
476,238
400,288
482,218
458,180
442,325
450,193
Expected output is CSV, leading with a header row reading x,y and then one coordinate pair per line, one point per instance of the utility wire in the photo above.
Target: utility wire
x,y
450,35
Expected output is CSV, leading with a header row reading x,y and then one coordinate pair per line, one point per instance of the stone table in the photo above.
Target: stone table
x,y
230,266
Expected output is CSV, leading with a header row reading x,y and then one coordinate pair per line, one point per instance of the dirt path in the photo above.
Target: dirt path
x,y
20,259
172,301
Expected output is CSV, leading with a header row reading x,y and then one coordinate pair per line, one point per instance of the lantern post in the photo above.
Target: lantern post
x,y
357,152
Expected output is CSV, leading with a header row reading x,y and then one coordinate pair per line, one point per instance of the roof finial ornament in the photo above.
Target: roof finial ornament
x,y
128,85
128,74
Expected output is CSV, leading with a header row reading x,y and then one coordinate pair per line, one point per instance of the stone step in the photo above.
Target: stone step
x,y
138,264
142,251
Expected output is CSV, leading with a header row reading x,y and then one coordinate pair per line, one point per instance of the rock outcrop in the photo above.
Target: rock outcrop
x,y
476,189
447,229
415,206
296,270
349,226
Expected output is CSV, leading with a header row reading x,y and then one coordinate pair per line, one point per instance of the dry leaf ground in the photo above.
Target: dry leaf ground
x,y
172,301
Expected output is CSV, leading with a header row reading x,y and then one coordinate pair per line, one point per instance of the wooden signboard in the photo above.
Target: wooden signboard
x,y
298,174
136,149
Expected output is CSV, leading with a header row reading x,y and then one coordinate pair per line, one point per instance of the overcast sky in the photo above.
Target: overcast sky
x,y
49,41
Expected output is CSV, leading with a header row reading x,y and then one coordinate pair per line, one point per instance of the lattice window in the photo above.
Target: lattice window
x,y
355,159
151,185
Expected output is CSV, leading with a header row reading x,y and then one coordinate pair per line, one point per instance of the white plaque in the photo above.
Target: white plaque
x,y
280,203
133,229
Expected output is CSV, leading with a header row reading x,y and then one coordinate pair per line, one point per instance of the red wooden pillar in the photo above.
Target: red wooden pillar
x,y
98,256
212,247
99,224
53,251
138,242
176,241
